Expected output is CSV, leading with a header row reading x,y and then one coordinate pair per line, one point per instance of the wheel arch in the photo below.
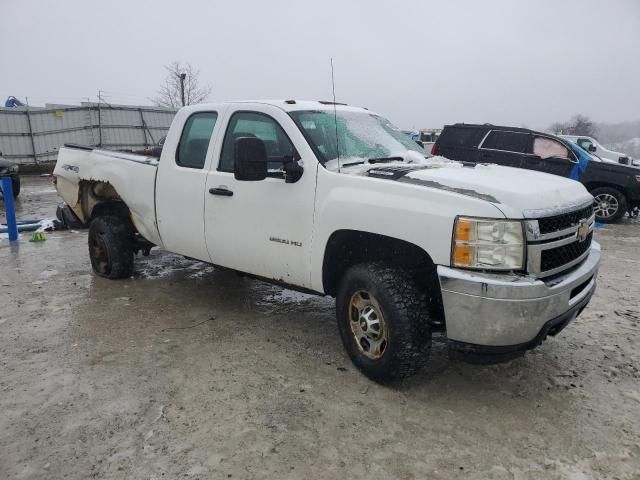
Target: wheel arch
x,y
600,184
99,198
346,248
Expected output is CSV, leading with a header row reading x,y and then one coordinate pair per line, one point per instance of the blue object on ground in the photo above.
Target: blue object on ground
x,y
598,225
22,227
9,208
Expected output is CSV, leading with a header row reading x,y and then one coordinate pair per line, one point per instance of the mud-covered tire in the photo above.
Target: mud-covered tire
x,y
601,194
406,316
111,247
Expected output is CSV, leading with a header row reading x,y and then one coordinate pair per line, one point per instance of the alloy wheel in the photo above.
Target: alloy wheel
x,y
367,324
606,205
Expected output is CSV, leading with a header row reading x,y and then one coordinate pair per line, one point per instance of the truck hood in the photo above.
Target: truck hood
x,y
516,192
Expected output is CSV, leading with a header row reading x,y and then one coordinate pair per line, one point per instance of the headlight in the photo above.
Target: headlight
x,y
487,244
13,169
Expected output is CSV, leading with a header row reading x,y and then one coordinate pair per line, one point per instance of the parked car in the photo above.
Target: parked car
x,y
334,200
591,145
606,203
615,187
10,169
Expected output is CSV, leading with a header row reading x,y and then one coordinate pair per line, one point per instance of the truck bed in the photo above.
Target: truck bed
x,y
117,175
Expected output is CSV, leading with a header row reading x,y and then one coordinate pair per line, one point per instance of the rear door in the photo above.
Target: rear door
x,y
460,142
504,148
550,156
262,227
180,184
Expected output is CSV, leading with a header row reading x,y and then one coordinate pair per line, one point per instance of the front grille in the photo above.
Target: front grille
x,y
559,256
565,220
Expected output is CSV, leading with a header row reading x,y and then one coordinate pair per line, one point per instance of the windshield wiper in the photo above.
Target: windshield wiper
x,y
385,159
351,164
373,160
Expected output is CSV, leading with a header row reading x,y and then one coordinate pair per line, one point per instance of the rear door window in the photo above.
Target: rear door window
x,y
506,141
194,142
548,148
461,137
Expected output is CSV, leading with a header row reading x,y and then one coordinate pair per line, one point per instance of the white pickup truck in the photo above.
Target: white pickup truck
x,y
333,199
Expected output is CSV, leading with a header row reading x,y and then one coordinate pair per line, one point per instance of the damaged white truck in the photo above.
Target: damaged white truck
x,y
332,199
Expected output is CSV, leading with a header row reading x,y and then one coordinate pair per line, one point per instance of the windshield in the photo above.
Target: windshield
x,y
361,136
580,152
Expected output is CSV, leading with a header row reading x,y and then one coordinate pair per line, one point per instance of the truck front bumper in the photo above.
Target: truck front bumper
x,y
501,313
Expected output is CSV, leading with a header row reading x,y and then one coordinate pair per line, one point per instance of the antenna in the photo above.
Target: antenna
x,y
335,113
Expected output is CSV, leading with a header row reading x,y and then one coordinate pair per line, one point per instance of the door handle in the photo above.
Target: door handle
x,y
225,192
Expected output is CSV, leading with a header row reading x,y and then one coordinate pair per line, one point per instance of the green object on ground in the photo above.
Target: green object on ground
x,y
38,237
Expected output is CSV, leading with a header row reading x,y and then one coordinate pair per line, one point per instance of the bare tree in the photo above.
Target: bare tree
x,y
578,125
181,76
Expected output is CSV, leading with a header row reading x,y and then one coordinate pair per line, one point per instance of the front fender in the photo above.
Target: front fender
x,y
413,213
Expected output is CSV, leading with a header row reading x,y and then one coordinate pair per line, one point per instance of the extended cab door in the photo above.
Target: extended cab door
x,y
550,156
262,227
181,180
504,148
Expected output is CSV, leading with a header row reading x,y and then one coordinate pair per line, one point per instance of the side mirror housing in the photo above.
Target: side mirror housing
x,y
292,171
250,159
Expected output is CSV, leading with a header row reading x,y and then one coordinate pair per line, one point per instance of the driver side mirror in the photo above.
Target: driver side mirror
x,y
592,147
250,159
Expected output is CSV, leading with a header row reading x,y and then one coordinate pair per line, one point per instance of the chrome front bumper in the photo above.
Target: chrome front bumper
x,y
509,309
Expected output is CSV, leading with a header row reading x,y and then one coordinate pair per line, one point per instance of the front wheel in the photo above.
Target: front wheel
x,y
609,205
111,247
384,321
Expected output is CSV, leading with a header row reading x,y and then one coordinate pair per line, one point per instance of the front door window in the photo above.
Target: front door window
x,y
545,147
259,125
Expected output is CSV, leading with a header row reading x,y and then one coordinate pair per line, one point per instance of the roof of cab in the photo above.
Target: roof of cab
x,y
488,126
290,105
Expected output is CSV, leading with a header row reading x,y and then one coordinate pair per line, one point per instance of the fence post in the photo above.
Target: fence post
x,y
99,123
33,143
10,208
144,127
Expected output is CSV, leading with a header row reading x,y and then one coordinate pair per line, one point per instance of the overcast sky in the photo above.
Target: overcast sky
x,y
420,63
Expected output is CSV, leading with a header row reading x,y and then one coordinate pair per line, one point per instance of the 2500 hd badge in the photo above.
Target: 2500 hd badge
x,y
285,241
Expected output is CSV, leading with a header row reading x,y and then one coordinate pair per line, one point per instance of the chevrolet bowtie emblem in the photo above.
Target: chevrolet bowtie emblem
x,y
583,231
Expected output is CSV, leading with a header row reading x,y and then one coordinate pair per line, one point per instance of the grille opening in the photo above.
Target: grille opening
x,y
580,288
566,220
559,256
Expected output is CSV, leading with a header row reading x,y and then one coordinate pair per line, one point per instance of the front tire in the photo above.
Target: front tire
x,y
384,321
609,205
111,247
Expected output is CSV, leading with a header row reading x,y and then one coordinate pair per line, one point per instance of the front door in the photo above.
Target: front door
x,y
551,156
262,227
181,179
